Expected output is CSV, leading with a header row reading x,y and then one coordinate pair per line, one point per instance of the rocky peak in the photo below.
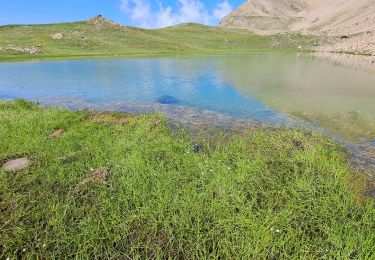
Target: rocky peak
x,y
100,21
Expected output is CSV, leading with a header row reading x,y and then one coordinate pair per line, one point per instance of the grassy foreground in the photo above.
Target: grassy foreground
x,y
99,37
262,194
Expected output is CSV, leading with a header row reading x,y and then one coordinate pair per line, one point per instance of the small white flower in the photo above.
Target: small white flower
x,y
210,170
277,230
91,169
8,258
24,250
44,245
271,228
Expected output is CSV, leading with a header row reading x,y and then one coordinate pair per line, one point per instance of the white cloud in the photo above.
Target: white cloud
x,y
138,10
222,10
142,13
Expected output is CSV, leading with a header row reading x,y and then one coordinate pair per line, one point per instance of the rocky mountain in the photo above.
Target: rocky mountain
x,y
351,20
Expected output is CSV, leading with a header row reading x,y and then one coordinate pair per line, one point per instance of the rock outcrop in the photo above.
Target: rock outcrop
x,y
26,50
57,36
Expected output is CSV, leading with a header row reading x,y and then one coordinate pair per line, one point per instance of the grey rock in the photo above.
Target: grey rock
x,y
197,148
16,165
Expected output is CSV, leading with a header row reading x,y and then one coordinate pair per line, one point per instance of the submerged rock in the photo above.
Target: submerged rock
x,y
16,165
181,115
166,99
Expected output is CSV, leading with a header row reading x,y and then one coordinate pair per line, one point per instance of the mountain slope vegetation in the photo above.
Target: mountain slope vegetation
x,y
102,37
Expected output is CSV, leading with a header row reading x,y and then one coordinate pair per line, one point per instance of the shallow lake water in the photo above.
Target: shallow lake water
x,y
271,88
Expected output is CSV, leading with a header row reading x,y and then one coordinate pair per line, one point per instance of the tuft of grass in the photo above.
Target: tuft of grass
x,y
260,194
23,104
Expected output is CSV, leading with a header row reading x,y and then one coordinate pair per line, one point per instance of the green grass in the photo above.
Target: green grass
x,y
262,194
100,38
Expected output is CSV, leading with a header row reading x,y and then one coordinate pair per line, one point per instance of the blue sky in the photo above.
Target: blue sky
x,y
143,13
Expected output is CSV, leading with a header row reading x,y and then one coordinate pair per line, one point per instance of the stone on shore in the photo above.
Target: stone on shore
x,y
16,165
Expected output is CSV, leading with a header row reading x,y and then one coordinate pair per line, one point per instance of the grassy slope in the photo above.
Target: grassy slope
x,y
266,194
98,37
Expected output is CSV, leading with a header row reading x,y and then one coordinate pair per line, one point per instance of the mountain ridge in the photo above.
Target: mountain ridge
x,y
351,20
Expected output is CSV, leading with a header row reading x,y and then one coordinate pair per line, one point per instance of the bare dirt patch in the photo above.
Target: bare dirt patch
x,y
58,132
99,175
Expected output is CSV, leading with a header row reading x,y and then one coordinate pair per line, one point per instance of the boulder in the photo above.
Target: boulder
x,y
16,165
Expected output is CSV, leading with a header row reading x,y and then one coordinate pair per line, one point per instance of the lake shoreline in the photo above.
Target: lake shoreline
x,y
27,57
358,60
362,155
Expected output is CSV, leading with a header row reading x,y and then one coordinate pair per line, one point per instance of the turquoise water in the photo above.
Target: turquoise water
x,y
193,82
270,88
